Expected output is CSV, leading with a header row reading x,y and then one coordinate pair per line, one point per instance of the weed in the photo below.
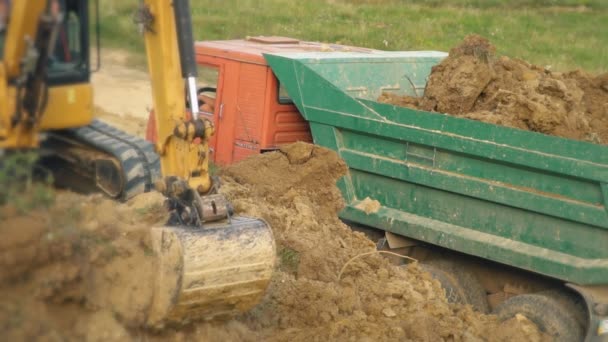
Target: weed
x,y
22,184
143,211
152,213
149,252
289,259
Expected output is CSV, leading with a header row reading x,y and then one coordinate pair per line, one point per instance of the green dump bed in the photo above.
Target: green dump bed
x,y
520,198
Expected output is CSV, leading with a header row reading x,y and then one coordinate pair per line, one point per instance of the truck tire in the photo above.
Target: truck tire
x,y
573,303
460,286
464,283
548,313
453,291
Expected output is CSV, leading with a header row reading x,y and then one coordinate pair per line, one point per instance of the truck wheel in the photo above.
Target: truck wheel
x,y
548,313
572,302
453,291
464,283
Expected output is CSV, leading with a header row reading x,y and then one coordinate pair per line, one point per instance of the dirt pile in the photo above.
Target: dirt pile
x,y
474,83
71,270
82,268
314,296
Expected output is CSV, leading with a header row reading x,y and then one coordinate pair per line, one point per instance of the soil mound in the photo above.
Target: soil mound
x,y
81,268
474,83
314,296
70,270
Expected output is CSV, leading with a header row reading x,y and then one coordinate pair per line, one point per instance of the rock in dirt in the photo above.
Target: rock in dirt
x,y
81,269
476,84
368,205
388,312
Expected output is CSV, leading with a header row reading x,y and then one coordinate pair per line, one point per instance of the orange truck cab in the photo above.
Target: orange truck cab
x,y
252,112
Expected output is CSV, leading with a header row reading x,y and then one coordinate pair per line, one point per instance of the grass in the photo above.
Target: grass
x,y
19,184
565,34
289,259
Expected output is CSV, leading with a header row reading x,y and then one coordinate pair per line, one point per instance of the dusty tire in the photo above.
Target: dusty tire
x,y
462,285
548,313
453,291
572,302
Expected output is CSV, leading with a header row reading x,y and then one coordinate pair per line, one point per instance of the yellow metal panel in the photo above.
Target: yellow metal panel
x,y
68,106
179,157
23,25
5,103
164,68
19,136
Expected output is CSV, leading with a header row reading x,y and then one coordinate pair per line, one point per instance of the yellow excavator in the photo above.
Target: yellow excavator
x,y
209,262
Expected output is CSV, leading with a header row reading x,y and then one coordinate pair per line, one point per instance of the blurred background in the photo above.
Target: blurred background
x,y
560,34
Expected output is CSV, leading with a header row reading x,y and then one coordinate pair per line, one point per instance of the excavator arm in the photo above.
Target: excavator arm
x,y
27,42
224,263
182,136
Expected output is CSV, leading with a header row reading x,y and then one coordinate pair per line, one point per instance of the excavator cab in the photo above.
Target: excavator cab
x,y
44,70
68,61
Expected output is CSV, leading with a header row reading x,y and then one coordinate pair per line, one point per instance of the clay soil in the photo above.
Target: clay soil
x,y
81,268
476,84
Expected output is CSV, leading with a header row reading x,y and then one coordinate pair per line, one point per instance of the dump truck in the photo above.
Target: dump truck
x,y
508,221
253,112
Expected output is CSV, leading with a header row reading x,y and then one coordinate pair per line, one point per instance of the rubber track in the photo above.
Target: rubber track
x,y
140,163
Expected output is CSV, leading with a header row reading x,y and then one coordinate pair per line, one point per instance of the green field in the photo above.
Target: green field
x,y
563,34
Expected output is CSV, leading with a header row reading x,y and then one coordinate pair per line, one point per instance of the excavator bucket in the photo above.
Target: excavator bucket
x,y
217,271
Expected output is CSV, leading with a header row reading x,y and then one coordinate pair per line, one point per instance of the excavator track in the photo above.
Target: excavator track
x,y
119,164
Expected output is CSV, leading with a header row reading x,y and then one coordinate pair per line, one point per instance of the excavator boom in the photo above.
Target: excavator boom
x,y
171,64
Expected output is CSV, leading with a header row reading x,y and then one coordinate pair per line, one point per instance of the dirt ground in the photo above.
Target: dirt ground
x,y
80,269
120,89
123,95
474,83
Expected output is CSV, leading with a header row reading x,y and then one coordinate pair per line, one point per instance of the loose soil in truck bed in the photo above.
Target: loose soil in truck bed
x,y
476,84
80,269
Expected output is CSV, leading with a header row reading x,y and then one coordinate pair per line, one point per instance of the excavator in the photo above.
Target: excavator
x,y
210,263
